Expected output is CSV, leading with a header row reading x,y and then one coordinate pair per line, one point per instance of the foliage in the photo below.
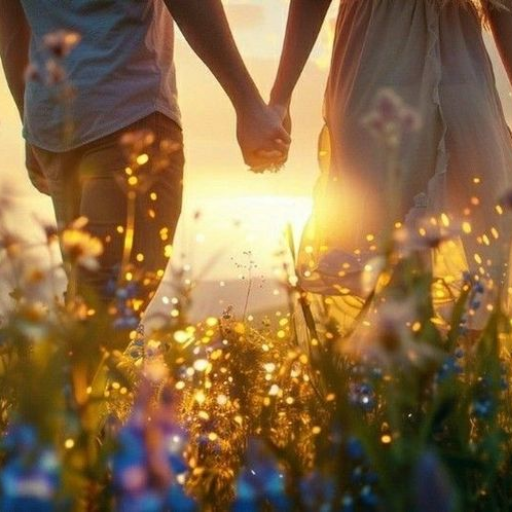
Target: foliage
x,y
224,415
406,409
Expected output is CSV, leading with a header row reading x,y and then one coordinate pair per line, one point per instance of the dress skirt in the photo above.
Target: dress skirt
x,y
458,163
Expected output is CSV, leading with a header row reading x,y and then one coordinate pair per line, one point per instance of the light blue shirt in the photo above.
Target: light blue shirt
x,y
121,71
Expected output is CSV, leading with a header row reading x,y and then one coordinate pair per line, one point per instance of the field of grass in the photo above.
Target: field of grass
x,y
398,401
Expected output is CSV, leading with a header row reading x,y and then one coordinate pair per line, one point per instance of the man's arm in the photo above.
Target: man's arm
x,y
206,29
500,21
14,45
305,20
14,53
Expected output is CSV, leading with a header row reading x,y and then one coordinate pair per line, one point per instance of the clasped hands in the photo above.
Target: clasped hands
x,y
263,133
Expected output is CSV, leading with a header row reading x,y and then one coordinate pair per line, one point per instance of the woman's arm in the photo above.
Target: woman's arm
x,y
500,21
206,29
305,20
14,43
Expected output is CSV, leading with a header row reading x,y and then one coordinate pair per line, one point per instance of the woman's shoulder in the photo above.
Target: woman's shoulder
x,y
481,6
503,4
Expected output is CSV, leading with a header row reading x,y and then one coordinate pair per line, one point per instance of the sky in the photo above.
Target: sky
x,y
240,211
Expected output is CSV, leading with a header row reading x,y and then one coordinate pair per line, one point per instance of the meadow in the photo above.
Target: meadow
x,y
406,407
314,402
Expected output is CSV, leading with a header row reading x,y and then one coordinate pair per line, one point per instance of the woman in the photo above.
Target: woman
x,y
431,54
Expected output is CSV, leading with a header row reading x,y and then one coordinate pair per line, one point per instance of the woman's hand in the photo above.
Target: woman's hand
x,y
263,139
283,111
276,158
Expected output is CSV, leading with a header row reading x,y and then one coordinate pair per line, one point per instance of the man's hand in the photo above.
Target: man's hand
x,y
35,171
263,139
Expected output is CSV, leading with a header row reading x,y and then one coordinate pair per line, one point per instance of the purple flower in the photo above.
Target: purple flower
x,y
391,119
434,491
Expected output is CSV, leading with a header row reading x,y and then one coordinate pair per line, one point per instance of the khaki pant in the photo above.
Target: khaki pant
x,y
88,181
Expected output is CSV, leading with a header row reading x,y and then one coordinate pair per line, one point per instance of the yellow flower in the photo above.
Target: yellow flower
x,y
80,247
61,43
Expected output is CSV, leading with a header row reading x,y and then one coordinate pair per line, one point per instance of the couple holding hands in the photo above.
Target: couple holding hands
x,y
430,53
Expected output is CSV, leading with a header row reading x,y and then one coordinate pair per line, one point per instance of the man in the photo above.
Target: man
x,y
118,84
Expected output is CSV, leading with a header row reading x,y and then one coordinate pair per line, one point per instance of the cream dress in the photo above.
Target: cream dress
x,y
431,53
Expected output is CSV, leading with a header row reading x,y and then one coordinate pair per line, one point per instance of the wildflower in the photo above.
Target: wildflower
x,y
362,395
123,293
261,481
51,233
126,319
459,353
450,368
354,448
79,247
11,244
137,141
317,491
482,408
386,336
145,160
30,477
149,467
368,497
61,42
138,483
347,503
483,405
55,73
155,368
391,119
433,488
174,441
32,73
425,233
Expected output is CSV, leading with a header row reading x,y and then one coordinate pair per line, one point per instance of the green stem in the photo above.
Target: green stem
x,y
129,233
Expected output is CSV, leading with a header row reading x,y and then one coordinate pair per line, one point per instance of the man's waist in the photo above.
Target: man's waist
x,y
64,133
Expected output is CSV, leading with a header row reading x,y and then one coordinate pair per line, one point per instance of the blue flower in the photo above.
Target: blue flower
x,y
151,475
22,438
354,448
318,492
30,477
368,497
482,407
459,353
363,396
179,501
260,481
449,369
433,488
148,501
347,503
479,288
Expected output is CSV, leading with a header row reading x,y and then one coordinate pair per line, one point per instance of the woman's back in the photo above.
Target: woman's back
x,y
432,55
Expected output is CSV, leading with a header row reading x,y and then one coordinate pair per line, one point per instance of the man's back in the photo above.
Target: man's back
x,y
121,71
